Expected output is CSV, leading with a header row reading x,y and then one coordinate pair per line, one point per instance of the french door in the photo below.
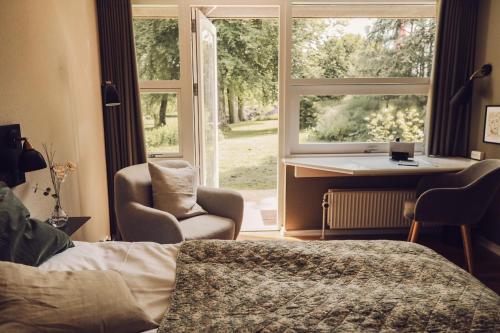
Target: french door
x,y
205,97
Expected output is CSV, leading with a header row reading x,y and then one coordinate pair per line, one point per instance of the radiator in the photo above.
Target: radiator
x,y
365,209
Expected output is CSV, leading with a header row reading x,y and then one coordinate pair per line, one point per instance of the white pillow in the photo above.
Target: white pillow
x,y
33,300
174,190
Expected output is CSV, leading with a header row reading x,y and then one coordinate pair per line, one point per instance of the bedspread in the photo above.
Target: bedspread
x,y
318,286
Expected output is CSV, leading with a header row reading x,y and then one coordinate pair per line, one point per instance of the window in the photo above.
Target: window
x,y
156,32
160,121
362,118
359,76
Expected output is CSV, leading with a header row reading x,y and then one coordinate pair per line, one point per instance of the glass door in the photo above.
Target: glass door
x,y
205,94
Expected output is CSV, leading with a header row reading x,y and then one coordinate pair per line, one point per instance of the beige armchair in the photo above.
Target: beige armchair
x,y
139,221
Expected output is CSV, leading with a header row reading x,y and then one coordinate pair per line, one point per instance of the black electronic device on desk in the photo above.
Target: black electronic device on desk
x,y
401,151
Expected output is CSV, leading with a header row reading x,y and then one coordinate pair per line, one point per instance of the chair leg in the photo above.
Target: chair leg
x,y
416,229
465,229
411,230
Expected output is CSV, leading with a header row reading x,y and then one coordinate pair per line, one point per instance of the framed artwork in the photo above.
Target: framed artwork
x,y
492,124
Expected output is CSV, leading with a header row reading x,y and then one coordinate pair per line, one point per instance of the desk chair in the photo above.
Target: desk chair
x,y
460,198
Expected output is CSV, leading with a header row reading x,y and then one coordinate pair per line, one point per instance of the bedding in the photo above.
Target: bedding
x,y
371,281
342,286
33,300
24,240
148,269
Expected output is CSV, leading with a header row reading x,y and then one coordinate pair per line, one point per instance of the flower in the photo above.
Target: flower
x,y
58,172
70,166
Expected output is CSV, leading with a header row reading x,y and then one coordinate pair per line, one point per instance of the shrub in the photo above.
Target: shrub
x,y
166,135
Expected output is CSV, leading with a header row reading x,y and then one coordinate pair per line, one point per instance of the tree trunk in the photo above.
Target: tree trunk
x,y
230,105
241,104
222,106
162,115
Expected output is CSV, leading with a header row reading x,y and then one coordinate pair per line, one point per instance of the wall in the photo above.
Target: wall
x,y
487,92
50,84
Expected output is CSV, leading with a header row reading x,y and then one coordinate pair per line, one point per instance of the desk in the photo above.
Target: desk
x,y
373,166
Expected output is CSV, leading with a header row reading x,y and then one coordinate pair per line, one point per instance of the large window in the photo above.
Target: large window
x,y
156,32
359,76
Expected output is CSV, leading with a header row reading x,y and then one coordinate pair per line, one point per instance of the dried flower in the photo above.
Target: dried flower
x,y
58,172
70,166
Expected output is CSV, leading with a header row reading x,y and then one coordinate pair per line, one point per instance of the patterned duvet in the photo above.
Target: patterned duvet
x,y
334,286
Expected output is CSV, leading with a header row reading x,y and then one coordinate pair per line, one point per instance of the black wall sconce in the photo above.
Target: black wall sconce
x,y
17,156
110,94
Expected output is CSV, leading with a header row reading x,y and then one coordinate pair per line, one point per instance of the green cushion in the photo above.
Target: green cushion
x,y
24,240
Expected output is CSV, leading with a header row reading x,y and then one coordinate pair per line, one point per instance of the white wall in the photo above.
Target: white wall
x,y
50,84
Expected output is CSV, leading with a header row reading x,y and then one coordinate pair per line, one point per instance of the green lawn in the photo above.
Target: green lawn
x,y
248,155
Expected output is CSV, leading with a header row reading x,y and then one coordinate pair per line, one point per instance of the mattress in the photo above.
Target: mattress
x,y
147,268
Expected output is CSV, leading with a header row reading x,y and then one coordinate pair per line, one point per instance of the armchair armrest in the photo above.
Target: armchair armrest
x,y
142,223
222,202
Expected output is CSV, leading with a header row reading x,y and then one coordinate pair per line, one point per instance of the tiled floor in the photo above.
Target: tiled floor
x,y
260,210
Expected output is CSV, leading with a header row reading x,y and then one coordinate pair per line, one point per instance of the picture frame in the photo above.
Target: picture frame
x,y
492,124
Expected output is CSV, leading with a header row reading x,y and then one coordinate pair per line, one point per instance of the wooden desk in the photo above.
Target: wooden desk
x,y
380,165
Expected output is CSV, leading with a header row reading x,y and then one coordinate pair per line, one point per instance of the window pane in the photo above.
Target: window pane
x,y
362,118
362,47
157,48
161,122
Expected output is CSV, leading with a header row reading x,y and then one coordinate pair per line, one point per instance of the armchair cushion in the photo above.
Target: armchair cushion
x,y
175,190
207,227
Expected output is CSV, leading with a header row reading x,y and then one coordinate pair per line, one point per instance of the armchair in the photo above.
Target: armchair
x,y
139,221
454,199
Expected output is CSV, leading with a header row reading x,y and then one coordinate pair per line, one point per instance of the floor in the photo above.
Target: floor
x,y
487,264
260,211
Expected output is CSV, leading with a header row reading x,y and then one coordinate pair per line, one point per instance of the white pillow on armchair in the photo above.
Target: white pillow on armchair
x,y
174,190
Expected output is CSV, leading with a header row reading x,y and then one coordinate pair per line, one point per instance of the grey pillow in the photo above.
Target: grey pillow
x,y
24,240
174,190
33,300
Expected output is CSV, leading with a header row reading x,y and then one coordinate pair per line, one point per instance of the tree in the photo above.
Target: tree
x,y
390,48
247,64
157,59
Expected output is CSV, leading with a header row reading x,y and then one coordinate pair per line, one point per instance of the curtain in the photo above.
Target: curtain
x,y
454,63
123,133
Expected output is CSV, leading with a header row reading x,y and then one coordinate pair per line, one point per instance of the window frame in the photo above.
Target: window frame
x,y
171,11
295,88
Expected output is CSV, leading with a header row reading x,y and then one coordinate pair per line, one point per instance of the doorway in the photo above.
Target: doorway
x,y
236,91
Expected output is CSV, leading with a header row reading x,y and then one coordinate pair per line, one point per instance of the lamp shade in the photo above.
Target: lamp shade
x,y
31,159
110,94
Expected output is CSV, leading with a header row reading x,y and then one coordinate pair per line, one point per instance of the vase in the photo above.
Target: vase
x,y
59,217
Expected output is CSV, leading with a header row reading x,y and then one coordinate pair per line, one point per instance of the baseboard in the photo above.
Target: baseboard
x,y
344,232
487,244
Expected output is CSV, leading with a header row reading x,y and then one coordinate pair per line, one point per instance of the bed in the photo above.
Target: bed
x,y
277,286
